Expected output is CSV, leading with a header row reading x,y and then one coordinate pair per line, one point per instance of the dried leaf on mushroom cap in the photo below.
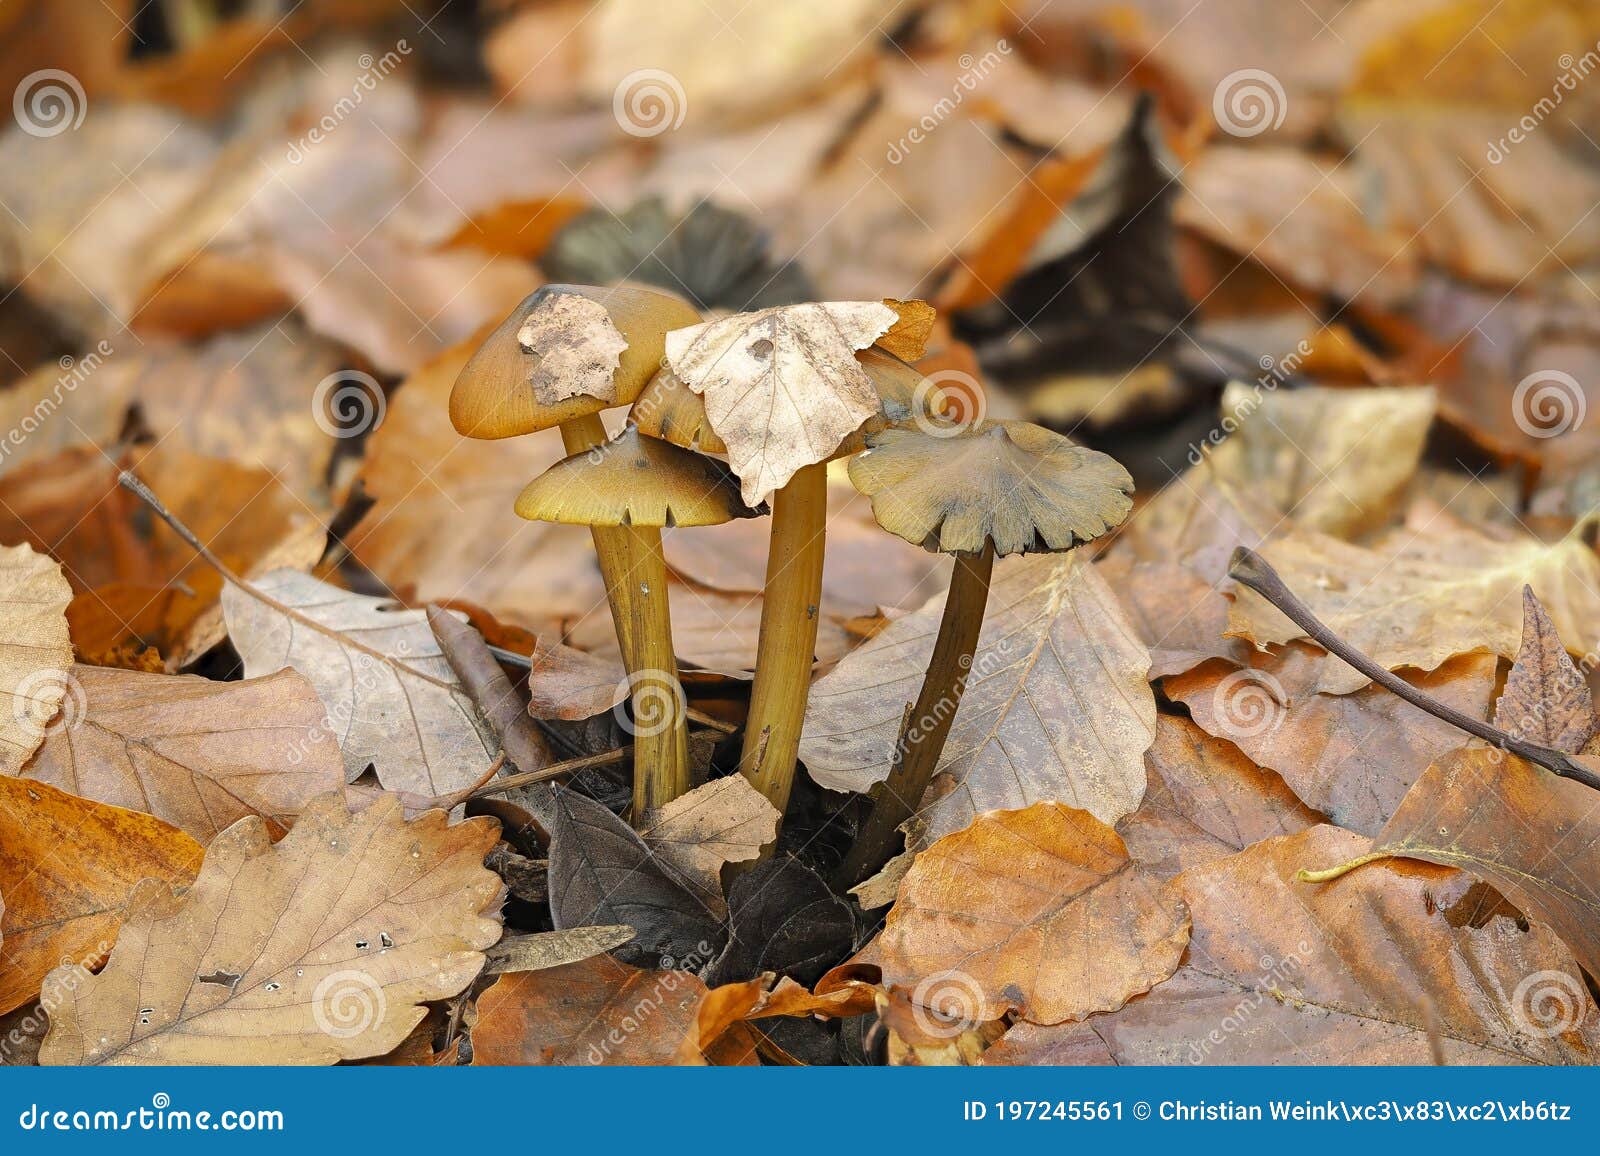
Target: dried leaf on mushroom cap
x,y
1028,489
782,386
505,390
670,410
638,481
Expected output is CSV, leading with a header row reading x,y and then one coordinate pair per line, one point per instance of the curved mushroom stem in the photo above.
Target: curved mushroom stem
x,y
661,734
580,435
927,724
788,639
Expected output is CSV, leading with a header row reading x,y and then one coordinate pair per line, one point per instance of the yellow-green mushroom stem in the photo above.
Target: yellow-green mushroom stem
x,y
926,727
788,640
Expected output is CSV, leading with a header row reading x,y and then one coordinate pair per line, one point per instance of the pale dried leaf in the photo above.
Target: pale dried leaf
x,y
319,949
1056,707
36,652
725,821
553,948
408,716
196,753
576,348
782,386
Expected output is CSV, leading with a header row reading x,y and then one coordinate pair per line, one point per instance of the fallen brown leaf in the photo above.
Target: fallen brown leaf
x,y
317,949
36,653
1057,707
1039,911
198,754
67,866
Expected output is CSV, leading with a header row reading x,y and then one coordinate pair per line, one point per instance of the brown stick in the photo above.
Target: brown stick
x,y
1250,569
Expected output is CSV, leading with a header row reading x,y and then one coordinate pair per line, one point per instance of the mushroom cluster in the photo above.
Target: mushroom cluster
x,y
733,413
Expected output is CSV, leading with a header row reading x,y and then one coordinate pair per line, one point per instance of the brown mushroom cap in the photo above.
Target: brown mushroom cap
x,y
493,396
635,480
668,409
950,488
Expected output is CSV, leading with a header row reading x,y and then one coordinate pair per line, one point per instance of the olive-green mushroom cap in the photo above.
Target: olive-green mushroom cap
x,y
951,488
599,344
634,480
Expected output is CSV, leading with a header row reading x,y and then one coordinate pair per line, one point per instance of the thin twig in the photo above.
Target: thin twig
x,y
1251,569
553,771
145,494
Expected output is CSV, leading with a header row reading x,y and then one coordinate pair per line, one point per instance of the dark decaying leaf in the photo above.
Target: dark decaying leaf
x,y
784,919
601,872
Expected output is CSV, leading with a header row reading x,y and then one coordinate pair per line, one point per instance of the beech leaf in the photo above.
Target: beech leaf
x,y
782,387
405,714
196,753
1056,707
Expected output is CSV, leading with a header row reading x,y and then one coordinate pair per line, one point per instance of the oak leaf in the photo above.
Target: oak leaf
x,y
195,753
782,387
317,949
1039,911
36,652
391,697
1056,708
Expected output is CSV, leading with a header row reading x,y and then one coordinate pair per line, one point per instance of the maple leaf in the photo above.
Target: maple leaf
x,y
317,949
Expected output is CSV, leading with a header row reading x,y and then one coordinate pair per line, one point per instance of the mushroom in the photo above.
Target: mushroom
x,y
668,408
633,486
976,491
563,355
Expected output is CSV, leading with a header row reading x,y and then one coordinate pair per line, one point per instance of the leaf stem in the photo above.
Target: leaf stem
x,y
1250,569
